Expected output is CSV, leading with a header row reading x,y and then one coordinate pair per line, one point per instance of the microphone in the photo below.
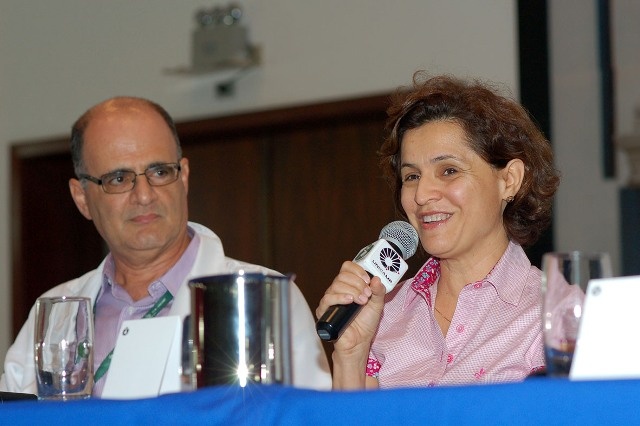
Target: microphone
x,y
385,259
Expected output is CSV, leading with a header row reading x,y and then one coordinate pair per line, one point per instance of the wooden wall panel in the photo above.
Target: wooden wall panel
x,y
329,200
226,193
54,242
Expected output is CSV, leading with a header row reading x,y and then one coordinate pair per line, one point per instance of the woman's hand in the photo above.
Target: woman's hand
x,y
351,350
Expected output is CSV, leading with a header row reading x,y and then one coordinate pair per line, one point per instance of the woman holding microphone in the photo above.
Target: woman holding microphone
x,y
471,172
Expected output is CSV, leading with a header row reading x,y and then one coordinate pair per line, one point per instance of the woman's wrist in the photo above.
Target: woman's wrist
x,y
349,369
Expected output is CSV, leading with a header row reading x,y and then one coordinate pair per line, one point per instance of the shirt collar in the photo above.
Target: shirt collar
x,y
508,276
422,282
173,278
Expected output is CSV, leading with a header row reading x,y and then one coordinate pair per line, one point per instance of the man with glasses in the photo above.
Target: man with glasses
x,y
132,182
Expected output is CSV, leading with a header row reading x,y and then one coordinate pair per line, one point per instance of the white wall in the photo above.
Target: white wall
x,y
59,57
626,39
587,213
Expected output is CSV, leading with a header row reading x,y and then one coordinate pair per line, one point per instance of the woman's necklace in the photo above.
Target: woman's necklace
x,y
441,314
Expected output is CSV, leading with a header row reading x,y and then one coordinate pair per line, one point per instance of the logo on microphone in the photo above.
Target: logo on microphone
x,y
390,260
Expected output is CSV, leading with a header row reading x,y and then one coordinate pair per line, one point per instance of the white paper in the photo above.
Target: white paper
x,y
146,359
608,345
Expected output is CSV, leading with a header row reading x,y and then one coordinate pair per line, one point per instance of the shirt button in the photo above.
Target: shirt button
x,y
460,328
477,285
449,358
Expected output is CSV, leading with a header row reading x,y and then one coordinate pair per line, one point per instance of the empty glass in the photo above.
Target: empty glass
x,y
564,282
63,347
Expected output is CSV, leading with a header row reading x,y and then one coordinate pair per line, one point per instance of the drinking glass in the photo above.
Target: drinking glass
x,y
63,348
564,282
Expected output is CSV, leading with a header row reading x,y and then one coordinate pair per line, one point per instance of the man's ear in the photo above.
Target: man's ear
x,y
79,197
513,175
184,173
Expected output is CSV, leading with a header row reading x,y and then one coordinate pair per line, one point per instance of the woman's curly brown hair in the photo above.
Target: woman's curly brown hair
x,y
499,129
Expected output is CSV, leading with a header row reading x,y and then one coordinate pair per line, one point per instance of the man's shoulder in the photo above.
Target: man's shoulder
x,y
211,244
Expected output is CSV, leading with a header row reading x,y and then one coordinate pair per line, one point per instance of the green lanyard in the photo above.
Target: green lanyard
x,y
155,309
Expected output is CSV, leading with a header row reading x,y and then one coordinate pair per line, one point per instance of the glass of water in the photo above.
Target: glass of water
x,y
63,348
564,282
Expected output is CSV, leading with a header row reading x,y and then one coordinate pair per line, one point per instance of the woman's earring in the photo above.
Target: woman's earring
x,y
509,199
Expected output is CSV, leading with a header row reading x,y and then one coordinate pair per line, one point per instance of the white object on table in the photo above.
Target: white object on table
x,y
146,359
608,346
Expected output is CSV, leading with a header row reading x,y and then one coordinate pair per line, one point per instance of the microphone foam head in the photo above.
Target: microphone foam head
x,y
403,236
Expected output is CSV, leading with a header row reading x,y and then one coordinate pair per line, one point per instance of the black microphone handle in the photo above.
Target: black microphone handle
x,y
335,320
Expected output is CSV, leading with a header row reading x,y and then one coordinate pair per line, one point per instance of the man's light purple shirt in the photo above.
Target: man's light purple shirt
x,y
114,305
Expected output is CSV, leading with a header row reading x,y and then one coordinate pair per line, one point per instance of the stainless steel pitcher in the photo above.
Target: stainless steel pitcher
x,y
238,331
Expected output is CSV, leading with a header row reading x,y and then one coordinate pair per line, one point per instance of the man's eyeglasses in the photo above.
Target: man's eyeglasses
x,y
125,180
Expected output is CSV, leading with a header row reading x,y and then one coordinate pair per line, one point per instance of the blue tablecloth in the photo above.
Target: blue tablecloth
x,y
539,401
